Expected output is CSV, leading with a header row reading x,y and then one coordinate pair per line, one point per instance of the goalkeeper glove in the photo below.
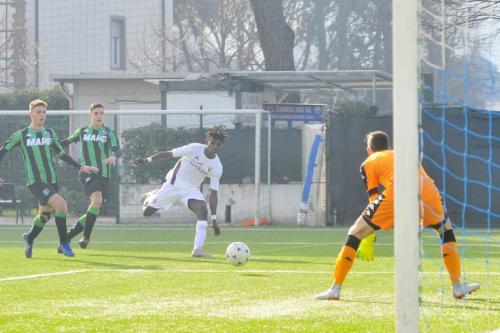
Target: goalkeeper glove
x,y
366,249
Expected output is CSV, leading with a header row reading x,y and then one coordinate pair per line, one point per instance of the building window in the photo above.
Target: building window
x,y
117,43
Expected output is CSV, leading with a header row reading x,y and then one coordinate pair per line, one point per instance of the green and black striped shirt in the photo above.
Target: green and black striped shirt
x,y
97,145
37,148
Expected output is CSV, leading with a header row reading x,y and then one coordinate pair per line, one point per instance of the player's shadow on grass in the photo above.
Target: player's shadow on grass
x,y
353,300
107,264
188,260
118,266
472,304
256,275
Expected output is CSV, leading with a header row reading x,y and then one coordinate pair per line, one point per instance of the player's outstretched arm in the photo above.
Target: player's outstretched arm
x,y
13,141
83,168
8,145
65,142
75,137
57,147
161,156
213,200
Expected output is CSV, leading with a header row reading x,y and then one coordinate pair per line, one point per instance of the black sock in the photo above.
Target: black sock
x,y
89,224
77,228
36,229
62,229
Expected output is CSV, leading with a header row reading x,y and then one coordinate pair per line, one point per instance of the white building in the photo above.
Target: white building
x,y
89,36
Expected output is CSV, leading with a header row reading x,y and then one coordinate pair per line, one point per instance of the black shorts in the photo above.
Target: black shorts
x,y
94,183
43,191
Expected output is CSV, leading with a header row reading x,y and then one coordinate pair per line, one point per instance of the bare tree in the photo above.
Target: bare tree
x,y
222,34
208,35
341,34
457,37
19,42
13,46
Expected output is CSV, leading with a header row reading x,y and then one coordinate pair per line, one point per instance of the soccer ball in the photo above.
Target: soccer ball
x,y
237,253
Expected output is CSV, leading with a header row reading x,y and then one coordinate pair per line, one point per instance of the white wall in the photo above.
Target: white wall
x,y
285,204
208,99
114,95
139,95
129,94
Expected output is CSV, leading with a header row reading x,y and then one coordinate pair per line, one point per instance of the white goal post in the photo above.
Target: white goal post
x,y
255,117
406,164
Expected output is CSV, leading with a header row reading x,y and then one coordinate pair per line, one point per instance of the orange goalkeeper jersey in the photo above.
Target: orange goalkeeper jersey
x,y
378,169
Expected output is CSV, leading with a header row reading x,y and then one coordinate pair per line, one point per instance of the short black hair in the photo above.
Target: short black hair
x,y
377,141
217,133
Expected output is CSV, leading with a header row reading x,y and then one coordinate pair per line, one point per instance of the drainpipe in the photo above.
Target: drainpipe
x,y
62,88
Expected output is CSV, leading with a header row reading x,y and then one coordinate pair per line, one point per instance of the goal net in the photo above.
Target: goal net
x,y
459,140
457,124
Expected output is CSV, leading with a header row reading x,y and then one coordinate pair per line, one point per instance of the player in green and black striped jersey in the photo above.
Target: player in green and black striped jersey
x,y
99,148
38,145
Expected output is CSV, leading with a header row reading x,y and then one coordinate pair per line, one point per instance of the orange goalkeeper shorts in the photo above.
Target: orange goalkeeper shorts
x,y
380,212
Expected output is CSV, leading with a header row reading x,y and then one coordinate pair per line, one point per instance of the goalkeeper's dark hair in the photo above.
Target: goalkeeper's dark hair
x,y
216,133
377,141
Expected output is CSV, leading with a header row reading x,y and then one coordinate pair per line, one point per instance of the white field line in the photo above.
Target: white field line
x,y
42,275
204,271
463,244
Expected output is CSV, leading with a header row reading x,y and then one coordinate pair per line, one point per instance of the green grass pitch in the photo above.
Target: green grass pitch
x,y
142,279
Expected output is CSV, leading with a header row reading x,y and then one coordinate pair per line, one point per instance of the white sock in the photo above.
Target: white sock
x,y
201,234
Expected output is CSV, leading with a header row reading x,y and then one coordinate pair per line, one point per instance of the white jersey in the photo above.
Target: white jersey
x,y
193,167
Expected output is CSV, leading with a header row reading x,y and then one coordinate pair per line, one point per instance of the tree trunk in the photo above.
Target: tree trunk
x,y
342,44
276,37
385,18
319,16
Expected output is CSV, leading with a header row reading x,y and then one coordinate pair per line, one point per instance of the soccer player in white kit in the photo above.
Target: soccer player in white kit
x,y
197,161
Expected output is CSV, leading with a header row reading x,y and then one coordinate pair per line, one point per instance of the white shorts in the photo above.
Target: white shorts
x,y
168,194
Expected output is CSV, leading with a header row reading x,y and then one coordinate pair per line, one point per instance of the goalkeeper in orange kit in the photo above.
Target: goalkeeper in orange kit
x,y
378,171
